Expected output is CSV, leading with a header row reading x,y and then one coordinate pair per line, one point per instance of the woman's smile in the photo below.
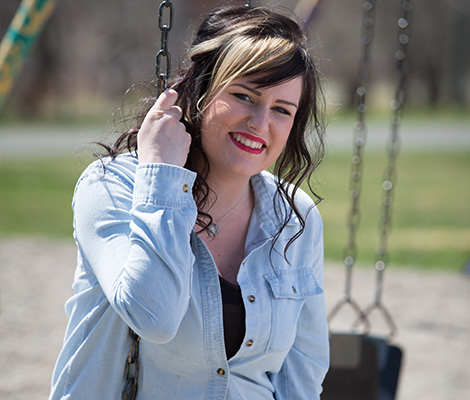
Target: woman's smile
x,y
247,142
245,127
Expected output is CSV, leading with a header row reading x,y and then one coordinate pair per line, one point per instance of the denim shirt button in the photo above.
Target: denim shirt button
x,y
249,343
185,188
221,371
251,299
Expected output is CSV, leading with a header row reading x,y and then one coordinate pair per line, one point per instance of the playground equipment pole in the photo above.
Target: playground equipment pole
x,y
305,9
22,33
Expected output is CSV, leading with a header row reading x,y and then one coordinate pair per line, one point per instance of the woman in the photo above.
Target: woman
x,y
213,263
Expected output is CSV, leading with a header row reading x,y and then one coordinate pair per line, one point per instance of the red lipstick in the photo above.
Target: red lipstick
x,y
249,143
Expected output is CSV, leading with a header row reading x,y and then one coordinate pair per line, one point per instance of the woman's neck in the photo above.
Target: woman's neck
x,y
228,196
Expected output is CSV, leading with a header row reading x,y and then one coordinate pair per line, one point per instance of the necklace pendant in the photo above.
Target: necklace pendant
x,y
213,230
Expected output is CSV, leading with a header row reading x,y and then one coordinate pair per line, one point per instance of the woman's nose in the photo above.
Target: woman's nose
x,y
258,121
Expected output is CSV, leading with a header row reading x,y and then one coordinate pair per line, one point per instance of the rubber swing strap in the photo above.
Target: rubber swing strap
x,y
362,368
353,373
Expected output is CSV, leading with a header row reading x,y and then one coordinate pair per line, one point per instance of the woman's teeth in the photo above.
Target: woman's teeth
x,y
247,142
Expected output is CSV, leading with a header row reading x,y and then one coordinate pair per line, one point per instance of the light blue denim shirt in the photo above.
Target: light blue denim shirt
x,y
141,264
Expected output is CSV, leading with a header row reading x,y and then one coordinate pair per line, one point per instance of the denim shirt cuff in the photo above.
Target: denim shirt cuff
x,y
164,185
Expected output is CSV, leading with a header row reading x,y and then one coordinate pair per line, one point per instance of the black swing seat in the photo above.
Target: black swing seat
x,y
362,367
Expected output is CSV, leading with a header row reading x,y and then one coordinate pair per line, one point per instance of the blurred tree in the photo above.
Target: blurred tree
x,y
92,51
458,58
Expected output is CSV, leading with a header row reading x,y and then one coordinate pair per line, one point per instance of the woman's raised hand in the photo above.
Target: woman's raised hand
x,y
162,137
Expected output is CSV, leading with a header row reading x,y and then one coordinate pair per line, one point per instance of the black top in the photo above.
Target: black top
x,y
234,316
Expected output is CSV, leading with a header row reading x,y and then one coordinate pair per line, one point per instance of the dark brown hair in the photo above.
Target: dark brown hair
x,y
284,56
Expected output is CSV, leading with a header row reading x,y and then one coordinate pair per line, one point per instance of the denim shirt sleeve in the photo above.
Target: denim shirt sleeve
x,y
133,233
307,362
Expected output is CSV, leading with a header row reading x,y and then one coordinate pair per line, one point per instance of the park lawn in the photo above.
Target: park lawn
x,y
36,196
431,210
431,215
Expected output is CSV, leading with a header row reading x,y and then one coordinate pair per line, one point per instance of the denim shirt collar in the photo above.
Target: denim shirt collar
x,y
270,208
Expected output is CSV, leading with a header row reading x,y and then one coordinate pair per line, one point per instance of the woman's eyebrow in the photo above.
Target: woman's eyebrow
x,y
258,93
254,91
287,102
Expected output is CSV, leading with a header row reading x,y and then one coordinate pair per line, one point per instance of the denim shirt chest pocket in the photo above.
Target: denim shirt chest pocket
x,y
289,290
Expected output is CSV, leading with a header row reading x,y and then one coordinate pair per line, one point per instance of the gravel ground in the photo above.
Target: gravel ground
x,y
429,308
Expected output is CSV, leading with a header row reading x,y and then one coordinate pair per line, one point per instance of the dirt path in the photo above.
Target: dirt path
x,y
32,140
430,309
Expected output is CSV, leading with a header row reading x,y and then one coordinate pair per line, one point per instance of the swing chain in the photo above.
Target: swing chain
x,y
129,391
359,141
162,77
389,175
132,365
393,148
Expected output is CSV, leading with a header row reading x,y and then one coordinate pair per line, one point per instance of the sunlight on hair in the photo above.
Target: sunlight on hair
x,y
242,56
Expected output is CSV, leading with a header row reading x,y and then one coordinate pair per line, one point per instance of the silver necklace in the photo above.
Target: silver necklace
x,y
213,228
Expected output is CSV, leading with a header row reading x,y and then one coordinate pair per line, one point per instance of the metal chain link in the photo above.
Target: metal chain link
x,y
389,175
129,391
359,141
165,28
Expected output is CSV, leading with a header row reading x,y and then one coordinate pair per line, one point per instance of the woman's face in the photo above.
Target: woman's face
x,y
245,128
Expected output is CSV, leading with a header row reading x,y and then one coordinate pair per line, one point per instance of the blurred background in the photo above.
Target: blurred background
x,y
90,52
70,93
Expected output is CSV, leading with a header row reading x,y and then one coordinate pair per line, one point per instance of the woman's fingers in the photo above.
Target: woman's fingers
x,y
162,137
166,100
165,105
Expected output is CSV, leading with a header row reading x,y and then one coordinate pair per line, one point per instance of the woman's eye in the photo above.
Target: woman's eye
x,y
282,110
242,96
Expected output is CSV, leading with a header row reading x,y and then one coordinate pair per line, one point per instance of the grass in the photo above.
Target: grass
x,y
431,215
36,196
431,211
